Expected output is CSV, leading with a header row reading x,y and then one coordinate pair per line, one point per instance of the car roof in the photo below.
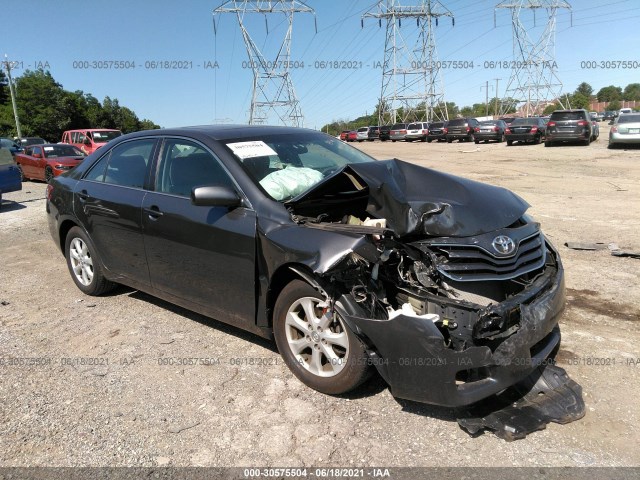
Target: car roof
x,y
223,132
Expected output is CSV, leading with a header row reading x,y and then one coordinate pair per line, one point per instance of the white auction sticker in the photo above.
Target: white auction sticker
x,y
48,149
251,149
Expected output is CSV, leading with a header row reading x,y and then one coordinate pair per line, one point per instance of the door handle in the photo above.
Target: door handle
x,y
83,195
153,212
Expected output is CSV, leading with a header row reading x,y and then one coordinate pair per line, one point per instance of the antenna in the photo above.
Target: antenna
x,y
411,77
534,81
273,91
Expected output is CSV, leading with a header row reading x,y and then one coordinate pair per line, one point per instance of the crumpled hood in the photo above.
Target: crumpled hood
x,y
417,200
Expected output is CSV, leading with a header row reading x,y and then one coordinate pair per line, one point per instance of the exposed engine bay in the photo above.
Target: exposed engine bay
x,y
456,299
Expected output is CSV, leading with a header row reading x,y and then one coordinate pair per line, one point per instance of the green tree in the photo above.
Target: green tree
x,y
41,105
146,124
614,105
549,109
578,100
631,92
585,89
4,89
609,94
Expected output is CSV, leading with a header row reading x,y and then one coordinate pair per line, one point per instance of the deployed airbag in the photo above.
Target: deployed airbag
x,y
289,182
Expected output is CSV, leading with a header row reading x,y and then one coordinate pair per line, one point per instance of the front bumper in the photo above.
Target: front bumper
x,y
410,354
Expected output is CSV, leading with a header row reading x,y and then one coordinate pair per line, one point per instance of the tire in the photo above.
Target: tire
x,y
509,143
537,140
393,141
478,141
349,367
586,142
472,138
83,264
48,175
501,139
429,140
449,140
423,139
22,179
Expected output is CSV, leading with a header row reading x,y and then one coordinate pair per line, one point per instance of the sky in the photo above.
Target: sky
x,y
71,38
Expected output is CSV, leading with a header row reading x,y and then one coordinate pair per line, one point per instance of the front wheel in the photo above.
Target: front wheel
x,y
509,143
316,344
48,175
85,269
22,179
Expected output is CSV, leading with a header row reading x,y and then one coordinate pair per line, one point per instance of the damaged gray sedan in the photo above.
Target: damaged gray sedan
x,y
444,285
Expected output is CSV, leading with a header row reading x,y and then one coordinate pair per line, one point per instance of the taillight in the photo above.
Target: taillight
x,y
551,124
468,129
496,129
49,191
507,130
582,123
614,129
534,129
403,132
477,129
445,130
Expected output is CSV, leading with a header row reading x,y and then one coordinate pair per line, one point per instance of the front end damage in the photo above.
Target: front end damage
x,y
445,318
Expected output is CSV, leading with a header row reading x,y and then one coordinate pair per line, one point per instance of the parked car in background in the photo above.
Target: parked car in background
x,y
398,131
385,133
10,145
9,174
625,130
569,126
195,215
609,116
43,162
26,141
508,120
625,110
490,130
417,131
600,116
527,130
352,136
362,134
89,140
462,129
374,133
437,131
344,134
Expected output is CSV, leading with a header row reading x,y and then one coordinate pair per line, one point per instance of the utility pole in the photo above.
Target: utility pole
x,y
534,80
496,102
486,103
273,90
411,74
8,66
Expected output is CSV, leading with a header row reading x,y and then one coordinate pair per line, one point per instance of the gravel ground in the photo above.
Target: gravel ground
x,y
108,388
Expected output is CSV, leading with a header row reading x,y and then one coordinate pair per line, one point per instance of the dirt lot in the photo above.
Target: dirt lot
x,y
131,406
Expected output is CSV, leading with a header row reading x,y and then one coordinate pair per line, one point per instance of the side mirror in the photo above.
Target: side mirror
x,y
215,197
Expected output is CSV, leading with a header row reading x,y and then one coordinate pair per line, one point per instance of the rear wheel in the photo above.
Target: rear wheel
x,y
21,173
48,175
429,140
501,139
547,143
537,140
509,143
85,269
478,141
317,346
449,140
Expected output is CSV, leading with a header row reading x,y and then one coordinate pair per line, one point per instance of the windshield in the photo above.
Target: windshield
x,y
525,121
629,118
287,165
54,151
103,136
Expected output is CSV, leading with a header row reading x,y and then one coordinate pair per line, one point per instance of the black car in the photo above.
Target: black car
x,y
490,130
462,129
526,130
444,284
10,145
437,131
374,133
385,131
569,126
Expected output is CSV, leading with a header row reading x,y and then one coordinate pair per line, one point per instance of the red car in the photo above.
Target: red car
x,y
352,136
43,162
344,134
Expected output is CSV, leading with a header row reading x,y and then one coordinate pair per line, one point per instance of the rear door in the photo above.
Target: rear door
x,y
108,203
204,255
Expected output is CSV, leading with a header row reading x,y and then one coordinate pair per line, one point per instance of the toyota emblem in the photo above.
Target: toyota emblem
x,y
503,244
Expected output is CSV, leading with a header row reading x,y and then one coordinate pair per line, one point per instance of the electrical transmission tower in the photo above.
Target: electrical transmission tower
x,y
534,81
273,91
412,86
